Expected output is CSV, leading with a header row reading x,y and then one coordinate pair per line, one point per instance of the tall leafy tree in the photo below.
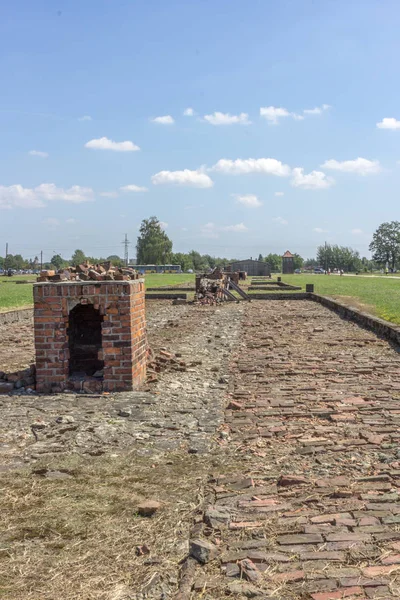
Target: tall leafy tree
x,y
78,257
338,257
385,244
153,245
274,261
298,261
57,261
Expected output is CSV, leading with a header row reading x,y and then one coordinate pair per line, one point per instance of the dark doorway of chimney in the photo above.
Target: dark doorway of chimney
x,y
84,340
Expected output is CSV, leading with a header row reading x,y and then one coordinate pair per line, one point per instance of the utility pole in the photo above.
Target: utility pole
x,y
41,260
126,243
326,260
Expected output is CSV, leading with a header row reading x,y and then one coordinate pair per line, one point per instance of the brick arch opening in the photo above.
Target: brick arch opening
x,y
84,340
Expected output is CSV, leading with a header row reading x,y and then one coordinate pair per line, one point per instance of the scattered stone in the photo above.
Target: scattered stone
x,y
148,508
202,550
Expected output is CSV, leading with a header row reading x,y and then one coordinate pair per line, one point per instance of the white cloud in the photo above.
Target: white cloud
x,y
238,228
279,194
38,153
16,196
248,200
85,118
320,230
219,118
269,166
71,221
297,117
133,188
184,178
356,231
280,220
105,144
75,194
163,225
109,194
273,113
361,166
318,110
51,222
388,123
188,112
316,180
165,120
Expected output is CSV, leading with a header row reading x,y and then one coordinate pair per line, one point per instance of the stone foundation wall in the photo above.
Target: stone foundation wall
x,y
123,333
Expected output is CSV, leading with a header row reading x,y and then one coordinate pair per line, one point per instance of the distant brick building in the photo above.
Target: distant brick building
x,y
288,263
251,267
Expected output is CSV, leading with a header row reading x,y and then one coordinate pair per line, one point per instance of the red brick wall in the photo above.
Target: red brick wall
x,y
124,344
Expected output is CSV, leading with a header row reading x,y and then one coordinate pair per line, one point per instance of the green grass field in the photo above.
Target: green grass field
x,y
14,295
377,295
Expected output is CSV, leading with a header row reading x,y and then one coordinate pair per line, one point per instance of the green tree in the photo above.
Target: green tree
x,y
298,261
184,260
310,262
116,260
385,244
199,262
274,261
260,257
78,258
338,257
57,261
153,245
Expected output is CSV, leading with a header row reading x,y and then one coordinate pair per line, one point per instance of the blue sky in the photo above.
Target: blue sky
x,y
293,137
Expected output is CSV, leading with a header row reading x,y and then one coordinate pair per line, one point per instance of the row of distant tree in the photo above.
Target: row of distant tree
x,y
155,247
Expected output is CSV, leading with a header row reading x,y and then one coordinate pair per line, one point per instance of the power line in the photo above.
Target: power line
x,y
126,243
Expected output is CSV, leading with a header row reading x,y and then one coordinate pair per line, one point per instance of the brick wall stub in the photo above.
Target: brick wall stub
x,y
123,337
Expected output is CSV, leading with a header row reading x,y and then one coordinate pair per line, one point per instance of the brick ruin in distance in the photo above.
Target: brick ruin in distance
x,y
90,336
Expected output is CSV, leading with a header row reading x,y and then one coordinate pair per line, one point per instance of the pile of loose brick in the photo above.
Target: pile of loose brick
x,y
162,360
86,272
24,380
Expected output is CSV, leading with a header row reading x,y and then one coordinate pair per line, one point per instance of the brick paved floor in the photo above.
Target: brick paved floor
x,y
313,509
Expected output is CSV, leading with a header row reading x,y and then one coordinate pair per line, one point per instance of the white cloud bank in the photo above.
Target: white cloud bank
x,y
164,120
219,118
133,188
248,200
16,196
388,123
38,153
188,112
273,113
361,166
186,177
268,166
316,180
106,144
